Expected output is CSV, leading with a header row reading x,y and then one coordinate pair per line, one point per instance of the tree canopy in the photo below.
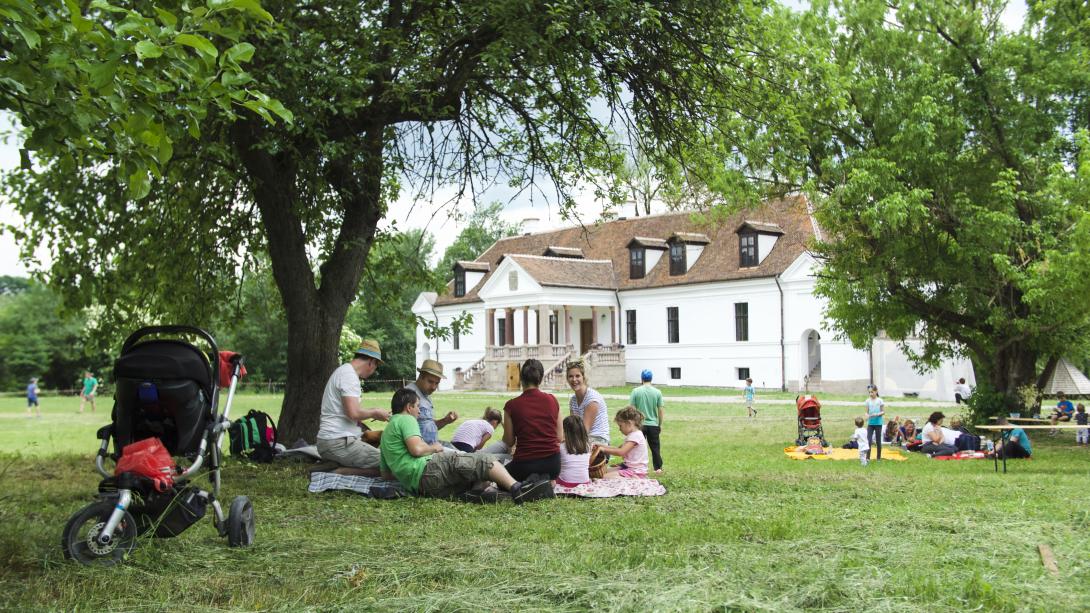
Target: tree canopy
x,y
949,164
389,99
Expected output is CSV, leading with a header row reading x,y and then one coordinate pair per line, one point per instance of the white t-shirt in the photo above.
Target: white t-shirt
x,y
636,459
334,424
860,436
574,468
963,389
925,434
949,436
471,432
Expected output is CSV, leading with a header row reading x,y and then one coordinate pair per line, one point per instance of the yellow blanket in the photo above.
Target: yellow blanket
x,y
836,453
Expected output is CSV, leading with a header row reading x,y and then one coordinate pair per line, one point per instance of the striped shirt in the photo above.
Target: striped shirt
x,y
471,432
600,428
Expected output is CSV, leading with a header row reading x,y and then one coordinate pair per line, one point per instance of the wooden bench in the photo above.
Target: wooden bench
x,y
1024,420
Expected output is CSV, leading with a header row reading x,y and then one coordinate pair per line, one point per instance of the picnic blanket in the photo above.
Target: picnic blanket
x,y
836,453
608,488
964,455
323,482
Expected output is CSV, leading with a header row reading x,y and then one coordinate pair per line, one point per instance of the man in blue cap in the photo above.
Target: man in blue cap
x,y
339,433
648,400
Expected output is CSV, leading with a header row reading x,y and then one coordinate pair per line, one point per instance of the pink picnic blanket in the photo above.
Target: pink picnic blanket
x,y
608,488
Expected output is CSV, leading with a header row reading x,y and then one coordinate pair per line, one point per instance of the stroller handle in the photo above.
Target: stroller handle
x,y
135,337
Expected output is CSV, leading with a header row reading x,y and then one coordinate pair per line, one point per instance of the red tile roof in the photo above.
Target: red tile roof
x,y
610,241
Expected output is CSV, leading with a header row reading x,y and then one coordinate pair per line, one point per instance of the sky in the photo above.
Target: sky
x,y
433,215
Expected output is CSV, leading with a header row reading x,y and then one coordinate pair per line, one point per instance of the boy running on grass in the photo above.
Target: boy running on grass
x,y
425,470
748,392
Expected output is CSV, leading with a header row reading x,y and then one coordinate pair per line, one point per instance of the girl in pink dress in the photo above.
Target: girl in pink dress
x,y
634,448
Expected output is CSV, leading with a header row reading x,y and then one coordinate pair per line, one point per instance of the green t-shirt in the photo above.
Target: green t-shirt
x,y
89,384
394,454
648,400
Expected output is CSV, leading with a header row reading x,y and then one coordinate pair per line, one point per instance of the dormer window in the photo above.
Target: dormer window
x,y
677,258
747,249
636,259
459,283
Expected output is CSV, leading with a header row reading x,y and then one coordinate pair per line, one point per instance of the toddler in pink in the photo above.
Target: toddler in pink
x,y
474,433
634,448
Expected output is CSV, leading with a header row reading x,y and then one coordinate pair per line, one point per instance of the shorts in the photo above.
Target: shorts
x,y
348,451
448,474
31,402
466,447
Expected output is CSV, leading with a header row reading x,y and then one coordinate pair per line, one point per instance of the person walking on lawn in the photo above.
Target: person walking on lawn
x,y
876,408
90,387
425,470
648,400
32,398
339,431
427,381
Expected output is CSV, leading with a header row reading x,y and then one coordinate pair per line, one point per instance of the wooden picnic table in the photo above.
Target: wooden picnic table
x,y
1024,420
1008,427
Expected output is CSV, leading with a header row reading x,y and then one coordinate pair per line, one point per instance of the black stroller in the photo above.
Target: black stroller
x,y
166,388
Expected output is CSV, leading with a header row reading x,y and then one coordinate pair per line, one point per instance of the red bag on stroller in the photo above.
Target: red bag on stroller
x,y
148,458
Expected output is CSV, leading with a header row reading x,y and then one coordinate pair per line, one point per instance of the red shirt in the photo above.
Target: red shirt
x,y
533,418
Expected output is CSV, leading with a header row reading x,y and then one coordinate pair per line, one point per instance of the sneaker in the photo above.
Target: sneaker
x,y
534,487
387,490
489,495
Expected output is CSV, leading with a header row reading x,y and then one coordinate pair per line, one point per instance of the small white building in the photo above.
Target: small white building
x,y
700,305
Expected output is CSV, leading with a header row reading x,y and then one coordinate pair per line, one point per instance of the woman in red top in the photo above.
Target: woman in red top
x,y
532,425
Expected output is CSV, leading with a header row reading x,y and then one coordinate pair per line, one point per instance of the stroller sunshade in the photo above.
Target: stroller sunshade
x,y
166,359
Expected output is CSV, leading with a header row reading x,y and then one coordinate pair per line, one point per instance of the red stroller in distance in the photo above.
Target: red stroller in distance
x,y
809,412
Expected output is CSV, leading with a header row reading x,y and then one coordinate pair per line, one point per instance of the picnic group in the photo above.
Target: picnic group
x,y
935,439
540,446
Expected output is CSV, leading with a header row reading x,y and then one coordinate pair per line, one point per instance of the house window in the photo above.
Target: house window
x,y
743,373
677,258
459,283
747,249
630,325
636,267
675,373
554,330
502,332
672,335
741,321
513,280
456,340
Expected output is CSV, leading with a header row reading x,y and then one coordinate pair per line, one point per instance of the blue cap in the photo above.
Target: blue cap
x,y
645,375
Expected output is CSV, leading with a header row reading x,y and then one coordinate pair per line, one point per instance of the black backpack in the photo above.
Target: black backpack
x,y
253,436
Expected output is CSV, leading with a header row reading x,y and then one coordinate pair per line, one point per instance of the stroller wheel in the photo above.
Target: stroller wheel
x,y
80,537
240,523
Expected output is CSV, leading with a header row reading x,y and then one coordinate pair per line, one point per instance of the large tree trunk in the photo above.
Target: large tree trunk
x,y
313,339
315,314
1007,371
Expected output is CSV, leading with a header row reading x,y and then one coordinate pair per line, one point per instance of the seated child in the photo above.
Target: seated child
x,y
859,437
634,449
892,434
574,453
474,433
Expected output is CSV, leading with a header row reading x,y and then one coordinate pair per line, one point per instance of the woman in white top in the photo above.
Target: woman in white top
x,y
588,405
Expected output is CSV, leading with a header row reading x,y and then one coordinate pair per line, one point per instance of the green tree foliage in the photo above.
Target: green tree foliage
x,y
949,165
97,78
484,227
388,98
255,326
37,341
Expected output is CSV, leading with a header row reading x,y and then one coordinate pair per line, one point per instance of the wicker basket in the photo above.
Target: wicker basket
x,y
598,463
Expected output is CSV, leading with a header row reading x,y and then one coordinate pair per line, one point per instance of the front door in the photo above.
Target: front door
x,y
586,329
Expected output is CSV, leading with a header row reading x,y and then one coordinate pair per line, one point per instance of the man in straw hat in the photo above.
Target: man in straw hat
x,y
427,381
339,431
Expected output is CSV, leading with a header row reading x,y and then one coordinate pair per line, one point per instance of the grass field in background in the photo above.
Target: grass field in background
x,y
742,528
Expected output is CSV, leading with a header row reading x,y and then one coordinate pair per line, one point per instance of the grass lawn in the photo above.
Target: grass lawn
x,y
742,528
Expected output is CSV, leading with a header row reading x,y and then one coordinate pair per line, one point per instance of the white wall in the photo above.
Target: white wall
x,y
471,342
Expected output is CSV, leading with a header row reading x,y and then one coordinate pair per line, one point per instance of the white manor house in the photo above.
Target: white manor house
x,y
697,305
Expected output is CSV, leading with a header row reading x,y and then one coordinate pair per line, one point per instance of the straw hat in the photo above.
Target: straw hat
x,y
369,348
431,367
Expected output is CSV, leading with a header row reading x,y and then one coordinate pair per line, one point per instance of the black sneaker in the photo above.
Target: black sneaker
x,y
490,495
534,487
388,490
